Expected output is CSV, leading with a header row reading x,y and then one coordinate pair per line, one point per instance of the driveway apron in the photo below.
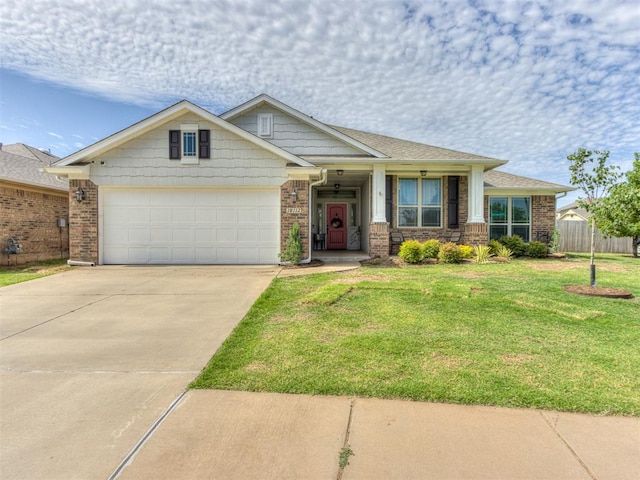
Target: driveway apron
x,y
90,358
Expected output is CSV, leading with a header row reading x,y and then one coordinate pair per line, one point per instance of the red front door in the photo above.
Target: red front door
x,y
336,227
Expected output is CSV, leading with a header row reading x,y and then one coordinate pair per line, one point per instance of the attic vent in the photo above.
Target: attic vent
x,y
265,125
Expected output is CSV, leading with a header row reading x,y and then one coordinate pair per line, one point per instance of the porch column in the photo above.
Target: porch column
x,y
378,192
476,195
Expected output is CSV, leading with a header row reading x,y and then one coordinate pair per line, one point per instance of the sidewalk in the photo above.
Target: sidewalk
x,y
242,435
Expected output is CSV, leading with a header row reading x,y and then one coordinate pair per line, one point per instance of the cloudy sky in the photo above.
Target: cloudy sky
x,y
525,81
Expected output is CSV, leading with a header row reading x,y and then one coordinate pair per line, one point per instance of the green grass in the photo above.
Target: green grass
x,y
30,271
489,334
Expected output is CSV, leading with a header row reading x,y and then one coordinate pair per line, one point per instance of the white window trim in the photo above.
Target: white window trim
x,y
509,224
419,205
188,159
268,131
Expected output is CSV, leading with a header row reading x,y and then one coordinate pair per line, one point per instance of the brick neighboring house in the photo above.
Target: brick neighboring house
x,y
186,186
32,205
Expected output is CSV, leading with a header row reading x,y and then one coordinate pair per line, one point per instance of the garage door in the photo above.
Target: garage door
x,y
190,226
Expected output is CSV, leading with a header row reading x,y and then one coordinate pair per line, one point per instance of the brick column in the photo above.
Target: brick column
x,y
379,239
476,234
83,222
543,216
295,210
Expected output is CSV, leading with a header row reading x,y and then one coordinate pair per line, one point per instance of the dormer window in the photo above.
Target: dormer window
x,y
189,144
265,125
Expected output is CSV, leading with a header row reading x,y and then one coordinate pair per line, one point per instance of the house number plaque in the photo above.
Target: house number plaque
x,y
294,210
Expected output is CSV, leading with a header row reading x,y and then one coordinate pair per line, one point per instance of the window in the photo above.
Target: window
x,y
510,216
189,144
419,202
265,125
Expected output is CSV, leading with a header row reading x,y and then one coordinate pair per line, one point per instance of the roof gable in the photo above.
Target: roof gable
x,y
265,100
171,113
27,170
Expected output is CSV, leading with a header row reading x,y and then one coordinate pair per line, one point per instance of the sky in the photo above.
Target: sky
x,y
524,81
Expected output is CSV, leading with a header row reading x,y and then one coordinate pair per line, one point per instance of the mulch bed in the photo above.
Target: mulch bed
x,y
606,292
311,264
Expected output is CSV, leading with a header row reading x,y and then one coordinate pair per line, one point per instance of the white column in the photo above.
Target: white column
x,y
476,195
378,192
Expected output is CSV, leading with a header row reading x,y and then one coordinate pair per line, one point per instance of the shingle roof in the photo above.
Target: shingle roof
x,y
503,180
26,168
30,152
405,150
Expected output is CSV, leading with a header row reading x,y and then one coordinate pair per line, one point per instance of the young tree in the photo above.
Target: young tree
x,y
590,172
619,213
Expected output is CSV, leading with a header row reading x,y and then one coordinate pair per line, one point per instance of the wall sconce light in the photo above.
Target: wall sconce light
x,y
336,186
80,195
423,173
294,196
339,172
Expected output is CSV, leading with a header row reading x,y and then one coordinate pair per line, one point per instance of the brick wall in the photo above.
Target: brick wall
x,y
379,239
31,216
83,222
543,216
293,211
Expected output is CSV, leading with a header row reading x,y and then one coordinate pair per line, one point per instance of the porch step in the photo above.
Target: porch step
x,y
339,256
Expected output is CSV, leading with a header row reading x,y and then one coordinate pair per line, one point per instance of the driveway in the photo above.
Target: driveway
x,y
91,358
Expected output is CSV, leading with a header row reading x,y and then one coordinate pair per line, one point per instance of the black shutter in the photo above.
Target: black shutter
x,y
174,144
204,150
388,198
453,202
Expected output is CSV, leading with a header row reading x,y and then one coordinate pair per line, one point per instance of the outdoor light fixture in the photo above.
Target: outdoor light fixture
x,y
294,196
336,186
80,195
423,173
339,172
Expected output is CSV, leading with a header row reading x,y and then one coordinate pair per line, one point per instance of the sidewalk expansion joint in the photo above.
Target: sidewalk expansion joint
x,y
129,458
346,451
552,426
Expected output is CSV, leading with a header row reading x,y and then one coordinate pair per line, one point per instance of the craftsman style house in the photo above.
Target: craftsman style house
x,y
185,186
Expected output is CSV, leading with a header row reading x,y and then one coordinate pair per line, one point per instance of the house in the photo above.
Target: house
x,y
186,186
572,213
34,206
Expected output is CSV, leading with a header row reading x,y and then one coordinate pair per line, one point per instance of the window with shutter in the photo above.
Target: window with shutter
x,y
265,125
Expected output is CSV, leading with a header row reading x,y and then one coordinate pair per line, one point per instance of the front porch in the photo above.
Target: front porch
x,y
339,256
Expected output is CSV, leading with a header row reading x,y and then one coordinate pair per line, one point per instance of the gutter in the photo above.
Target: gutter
x,y
322,181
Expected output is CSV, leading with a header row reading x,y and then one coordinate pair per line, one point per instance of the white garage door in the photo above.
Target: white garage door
x,y
190,226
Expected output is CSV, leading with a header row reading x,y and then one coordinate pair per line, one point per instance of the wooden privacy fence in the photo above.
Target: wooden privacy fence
x,y
576,237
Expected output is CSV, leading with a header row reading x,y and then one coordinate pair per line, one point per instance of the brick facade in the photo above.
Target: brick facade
x,y
379,239
295,210
31,215
543,217
83,222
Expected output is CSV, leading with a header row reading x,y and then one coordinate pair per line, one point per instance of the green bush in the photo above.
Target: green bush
x,y
293,250
482,253
503,253
466,251
430,248
537,249
554,246
411,251
515,243
494,245
450,253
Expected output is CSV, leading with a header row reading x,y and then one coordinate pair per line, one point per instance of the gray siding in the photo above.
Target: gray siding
x,y
294,136
144,161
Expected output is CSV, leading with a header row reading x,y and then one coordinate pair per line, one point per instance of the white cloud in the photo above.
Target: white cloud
x,y
524,81
56,135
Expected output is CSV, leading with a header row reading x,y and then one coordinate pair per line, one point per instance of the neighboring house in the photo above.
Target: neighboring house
x,y
187,186
572,213
34,206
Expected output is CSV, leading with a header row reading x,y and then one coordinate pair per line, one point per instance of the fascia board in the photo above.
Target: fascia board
x,y
73,172
165,116
240,109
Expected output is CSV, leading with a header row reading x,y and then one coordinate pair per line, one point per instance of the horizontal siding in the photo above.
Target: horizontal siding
x,y
295,136
144,161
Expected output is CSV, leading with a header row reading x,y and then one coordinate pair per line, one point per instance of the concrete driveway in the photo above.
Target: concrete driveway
x,y
89,359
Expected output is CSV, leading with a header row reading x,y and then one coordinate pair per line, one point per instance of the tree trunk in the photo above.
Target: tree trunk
x,y
636,245
592,265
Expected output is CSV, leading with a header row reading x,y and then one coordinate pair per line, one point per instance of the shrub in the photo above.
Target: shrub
x,y
466,251
450,253
293,250
430,248
537,249
515,243
554,246
411,251
494,245
482,253
504,253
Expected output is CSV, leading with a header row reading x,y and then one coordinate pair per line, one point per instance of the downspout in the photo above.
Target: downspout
x,y
322,181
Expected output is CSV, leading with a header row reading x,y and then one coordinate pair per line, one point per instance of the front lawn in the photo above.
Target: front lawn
x,y
30,271
493,334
